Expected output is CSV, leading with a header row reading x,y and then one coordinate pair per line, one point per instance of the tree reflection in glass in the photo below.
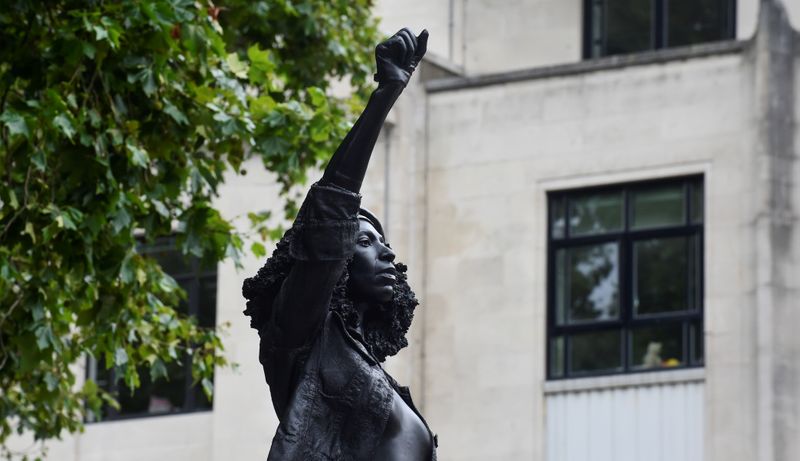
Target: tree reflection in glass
x,y
587,283
595,214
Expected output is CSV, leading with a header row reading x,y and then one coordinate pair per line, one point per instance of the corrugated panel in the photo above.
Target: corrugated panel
x,y
661,422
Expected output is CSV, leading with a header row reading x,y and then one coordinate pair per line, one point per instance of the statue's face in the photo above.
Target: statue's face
x,y
372,272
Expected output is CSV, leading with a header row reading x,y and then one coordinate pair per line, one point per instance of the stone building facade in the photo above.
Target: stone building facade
x,y
505,116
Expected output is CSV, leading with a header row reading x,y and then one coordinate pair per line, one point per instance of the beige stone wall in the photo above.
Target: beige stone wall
x,y
486,36
494,153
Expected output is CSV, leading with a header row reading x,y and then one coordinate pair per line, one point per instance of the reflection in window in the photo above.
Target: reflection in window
x,y
175,392
625,284
588,276
613,27
595,214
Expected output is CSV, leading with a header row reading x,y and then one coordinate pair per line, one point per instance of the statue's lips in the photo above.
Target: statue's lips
x,y
388,274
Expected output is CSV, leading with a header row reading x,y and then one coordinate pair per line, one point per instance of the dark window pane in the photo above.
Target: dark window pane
x,y
660,275
628,26
595,214
595,352
207,304
695,21
172,261
161,396
557,357
587,278
697,202
658,206
697,342
558,218
657,347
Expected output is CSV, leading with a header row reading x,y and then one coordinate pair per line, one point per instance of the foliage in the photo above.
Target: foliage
x,y
119,121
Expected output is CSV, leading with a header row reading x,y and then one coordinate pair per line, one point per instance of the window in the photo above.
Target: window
x,y
628,26
176,394
625,268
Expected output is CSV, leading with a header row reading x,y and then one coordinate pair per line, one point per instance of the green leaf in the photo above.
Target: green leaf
x,y
320,130
127,271
158,370
30,232
318,97
208,387
160,208
15,123
120,220
38,160
138,156
168,284
262,106
63,123
43,335
176,114
258,250
236,65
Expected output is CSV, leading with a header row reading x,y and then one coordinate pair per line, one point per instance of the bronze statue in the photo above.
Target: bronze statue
x,y
331,304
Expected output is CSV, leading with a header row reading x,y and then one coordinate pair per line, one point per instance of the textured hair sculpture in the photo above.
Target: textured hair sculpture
x,y
385,327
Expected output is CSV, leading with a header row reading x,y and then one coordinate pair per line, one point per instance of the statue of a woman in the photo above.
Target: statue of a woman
x,y
331,304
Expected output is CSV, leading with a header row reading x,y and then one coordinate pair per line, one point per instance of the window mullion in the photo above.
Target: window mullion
x,y
626,283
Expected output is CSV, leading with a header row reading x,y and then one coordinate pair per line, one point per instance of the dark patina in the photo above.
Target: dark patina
x,y
331,304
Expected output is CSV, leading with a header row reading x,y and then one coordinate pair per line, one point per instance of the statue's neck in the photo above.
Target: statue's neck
x,y
361,308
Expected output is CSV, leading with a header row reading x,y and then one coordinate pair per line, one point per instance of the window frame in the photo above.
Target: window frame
x,y
193,276
626,322
659,29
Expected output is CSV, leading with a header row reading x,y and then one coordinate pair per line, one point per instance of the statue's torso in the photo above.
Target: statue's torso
x,y
344,406
405,436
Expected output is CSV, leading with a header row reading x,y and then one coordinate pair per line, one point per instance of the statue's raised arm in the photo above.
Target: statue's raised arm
x,y
396,59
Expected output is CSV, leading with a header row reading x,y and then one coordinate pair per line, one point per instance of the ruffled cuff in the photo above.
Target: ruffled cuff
x,y
326,224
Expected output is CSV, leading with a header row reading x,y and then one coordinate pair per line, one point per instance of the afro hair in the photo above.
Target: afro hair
x,y
384,327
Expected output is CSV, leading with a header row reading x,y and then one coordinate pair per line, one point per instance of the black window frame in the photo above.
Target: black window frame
x,y
659,29
190,281
627,322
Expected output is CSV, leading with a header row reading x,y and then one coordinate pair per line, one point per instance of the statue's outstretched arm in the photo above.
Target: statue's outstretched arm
x,y
327,223
396,60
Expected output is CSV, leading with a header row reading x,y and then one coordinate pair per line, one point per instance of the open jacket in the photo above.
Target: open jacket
x,y
332,397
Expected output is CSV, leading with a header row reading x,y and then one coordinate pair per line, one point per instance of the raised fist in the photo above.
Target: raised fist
x,y
398,56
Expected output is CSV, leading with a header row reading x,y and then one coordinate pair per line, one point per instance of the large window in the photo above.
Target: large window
x,y
629,26
625,267
176,393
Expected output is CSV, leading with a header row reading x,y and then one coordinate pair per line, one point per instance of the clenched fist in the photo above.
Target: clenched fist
x,y
398,56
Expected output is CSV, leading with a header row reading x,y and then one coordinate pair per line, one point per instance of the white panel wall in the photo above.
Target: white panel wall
x,y
647,423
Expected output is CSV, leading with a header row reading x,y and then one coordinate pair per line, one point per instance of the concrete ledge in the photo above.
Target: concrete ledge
x,y
656,378
592,65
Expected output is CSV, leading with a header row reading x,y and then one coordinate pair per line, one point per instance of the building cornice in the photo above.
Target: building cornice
x,y
588,66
